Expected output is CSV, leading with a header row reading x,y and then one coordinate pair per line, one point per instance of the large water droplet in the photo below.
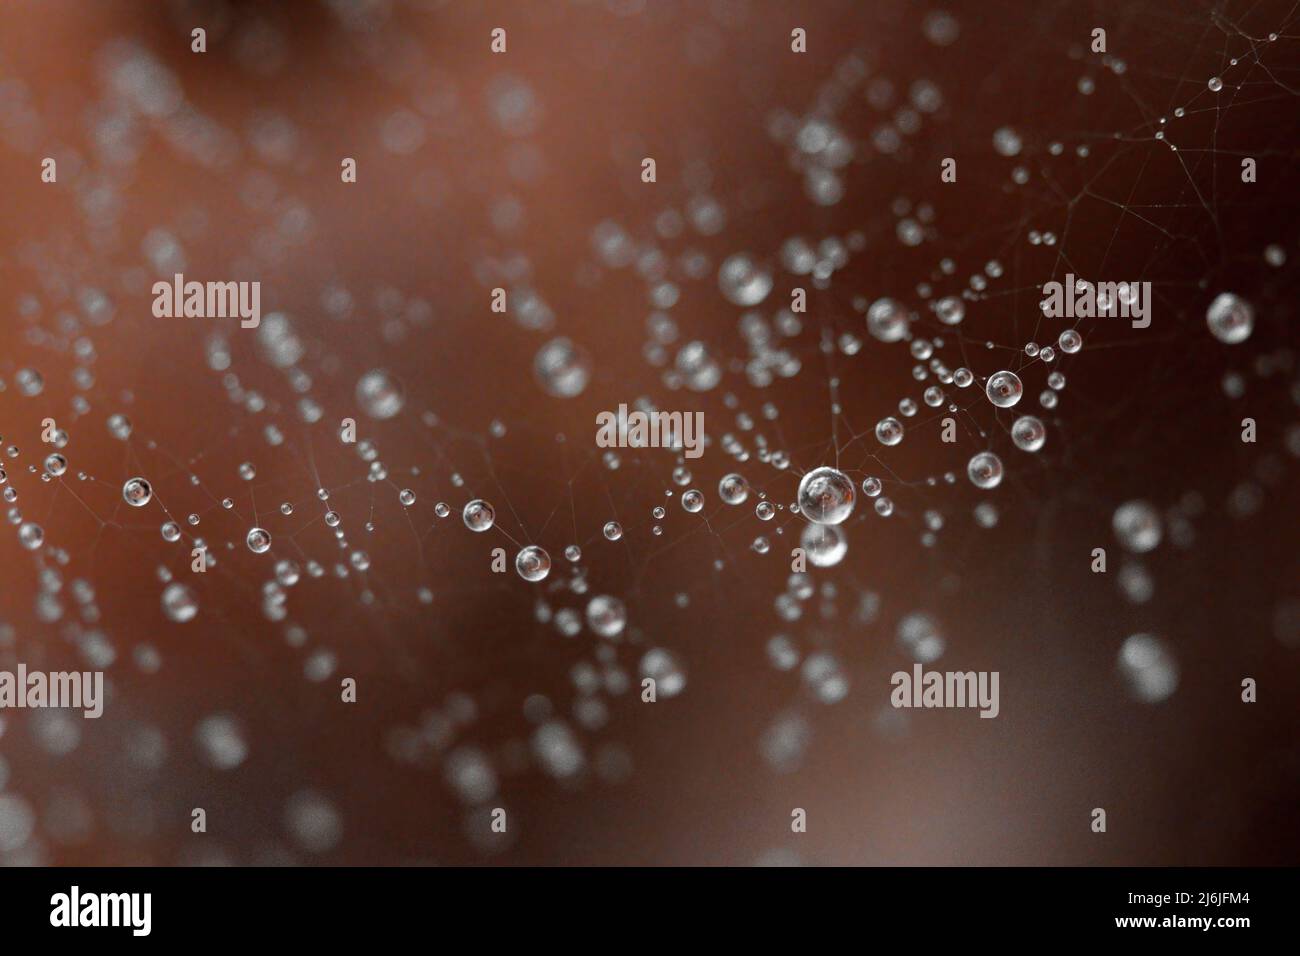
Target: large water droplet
x,y
826,496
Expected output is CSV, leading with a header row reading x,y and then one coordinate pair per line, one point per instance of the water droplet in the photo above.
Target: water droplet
x,y
697,367
31,535
887,320
606,615
826,496
137,492
30,382
379,394
733,489
221,741
950,310
663,667
889,431
985,470
742,281
824,544
1029,433
1148,668
1137,525
919,635
562,368
1007,142
533,563
1070,341
179,603
1231,319
1004,389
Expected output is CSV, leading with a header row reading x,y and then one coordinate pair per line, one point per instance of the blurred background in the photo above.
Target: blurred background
x,y
522,170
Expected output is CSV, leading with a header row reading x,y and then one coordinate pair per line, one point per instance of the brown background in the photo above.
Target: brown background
x,y
1200,778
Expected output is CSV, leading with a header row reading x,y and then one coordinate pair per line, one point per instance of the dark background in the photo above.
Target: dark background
x,y
1199,778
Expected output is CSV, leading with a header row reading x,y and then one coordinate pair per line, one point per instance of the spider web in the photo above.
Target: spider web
x,y
478,689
